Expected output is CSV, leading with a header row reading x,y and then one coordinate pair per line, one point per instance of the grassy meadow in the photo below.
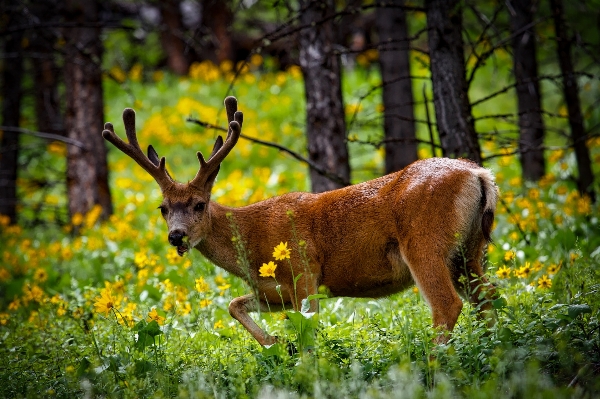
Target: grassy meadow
x,y
108,309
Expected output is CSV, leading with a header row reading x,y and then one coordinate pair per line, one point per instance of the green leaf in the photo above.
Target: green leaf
x,y
499,303
305,327
140,325
152,329
84,365
575,310
276,350
505,334
297,278
144,340
306,301
142,367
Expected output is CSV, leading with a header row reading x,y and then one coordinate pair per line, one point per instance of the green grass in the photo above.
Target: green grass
x,y
54,341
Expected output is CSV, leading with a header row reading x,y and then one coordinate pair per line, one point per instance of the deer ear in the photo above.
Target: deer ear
x,y
153,156
216,147
210,181
213,176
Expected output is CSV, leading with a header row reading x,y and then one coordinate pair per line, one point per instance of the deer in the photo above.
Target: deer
x,y
428,224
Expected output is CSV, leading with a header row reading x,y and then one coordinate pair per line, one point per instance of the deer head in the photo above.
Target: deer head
x,y
185,206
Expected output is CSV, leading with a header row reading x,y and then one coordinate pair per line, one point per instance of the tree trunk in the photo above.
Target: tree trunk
x,y
171,41
218,17
571,92
325,120
87,172
48,112
455,123
11,112
399,125
531,123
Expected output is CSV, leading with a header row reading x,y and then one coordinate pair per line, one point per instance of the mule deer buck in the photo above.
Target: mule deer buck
x,y
426,224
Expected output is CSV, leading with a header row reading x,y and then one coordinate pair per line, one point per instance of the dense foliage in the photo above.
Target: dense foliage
x,y
109,309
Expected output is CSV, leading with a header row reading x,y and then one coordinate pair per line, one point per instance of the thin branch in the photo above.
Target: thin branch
x,y
317,168
484,56
539,78
49,136
378,144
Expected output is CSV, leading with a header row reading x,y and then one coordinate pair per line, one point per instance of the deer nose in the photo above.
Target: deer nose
x,y
176,238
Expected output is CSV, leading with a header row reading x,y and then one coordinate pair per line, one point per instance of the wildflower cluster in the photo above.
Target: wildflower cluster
x,y
280,252
536,274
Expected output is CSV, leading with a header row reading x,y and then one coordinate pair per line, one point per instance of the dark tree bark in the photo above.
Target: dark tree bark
x,y
531,123
46,74
11,112
218,17
170,36
455,123
571,93
325,123
399,125
87,172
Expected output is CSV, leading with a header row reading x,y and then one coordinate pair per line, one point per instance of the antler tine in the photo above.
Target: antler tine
x,y
221,149
230,107
133,150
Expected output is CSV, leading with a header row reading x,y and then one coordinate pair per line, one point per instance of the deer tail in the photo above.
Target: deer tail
x,y
489,199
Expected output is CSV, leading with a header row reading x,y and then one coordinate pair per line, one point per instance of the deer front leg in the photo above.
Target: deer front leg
x,y
239,309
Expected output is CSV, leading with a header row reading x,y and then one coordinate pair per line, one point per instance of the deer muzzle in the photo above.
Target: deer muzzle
x,y
179,239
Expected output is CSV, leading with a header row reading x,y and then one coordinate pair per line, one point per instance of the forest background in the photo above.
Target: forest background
x,y
93,300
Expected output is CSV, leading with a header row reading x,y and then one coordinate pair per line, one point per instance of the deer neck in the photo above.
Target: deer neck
x,y
218,246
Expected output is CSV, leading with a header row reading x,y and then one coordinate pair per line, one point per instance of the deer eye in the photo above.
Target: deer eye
x,y
199,207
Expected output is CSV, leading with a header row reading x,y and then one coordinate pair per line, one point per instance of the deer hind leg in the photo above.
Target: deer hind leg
x,y
470,280
239,309
433,278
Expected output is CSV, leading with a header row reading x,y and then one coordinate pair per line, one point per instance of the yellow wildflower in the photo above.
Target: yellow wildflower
x,y
281,251
509,255
224,287
503,272
573,256
4,319
4,220
524,271
544,282
534,193
553,269
154,316
105,302
33,293
219,324
40,275
184,309
4,274
201,285
267,269
14,305
220,280
77,219
205,302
